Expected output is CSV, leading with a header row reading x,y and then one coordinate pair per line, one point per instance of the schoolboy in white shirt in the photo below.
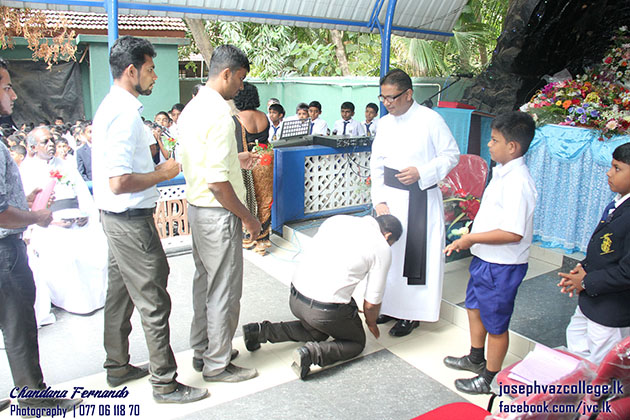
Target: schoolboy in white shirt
x,y
499,241
276,114
371,123
318,125
346,126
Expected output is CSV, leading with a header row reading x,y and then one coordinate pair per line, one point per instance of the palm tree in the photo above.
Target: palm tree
x,y
475,33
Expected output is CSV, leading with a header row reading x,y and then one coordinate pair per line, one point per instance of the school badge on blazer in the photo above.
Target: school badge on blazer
x,y
606,244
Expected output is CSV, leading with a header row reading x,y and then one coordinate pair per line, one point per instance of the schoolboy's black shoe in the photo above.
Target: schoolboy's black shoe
x,y
41,403
133,372
382,319
403,327
250,336
182,394
464,363
475,386
302,362
4,404
198,362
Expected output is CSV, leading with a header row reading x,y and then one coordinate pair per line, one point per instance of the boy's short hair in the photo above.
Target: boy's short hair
x,y
391,224
516,126
164,113
398,78
19,149
278,108
373,106
179,107
315,104
348,105
622,153
302,105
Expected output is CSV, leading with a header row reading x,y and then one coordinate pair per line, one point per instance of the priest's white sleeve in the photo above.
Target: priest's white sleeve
x,y
446,154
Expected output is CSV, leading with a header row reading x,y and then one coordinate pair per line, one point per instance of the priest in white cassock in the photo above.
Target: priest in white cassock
x,y
413,150
68,259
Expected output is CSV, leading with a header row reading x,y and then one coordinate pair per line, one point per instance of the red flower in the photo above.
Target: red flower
x,y
608,60
266,160
55,174
470,207
263,146
368,181
460,193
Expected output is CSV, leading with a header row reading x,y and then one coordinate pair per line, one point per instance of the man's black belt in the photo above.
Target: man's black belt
x,y
131,213
13,237
416,247
312,302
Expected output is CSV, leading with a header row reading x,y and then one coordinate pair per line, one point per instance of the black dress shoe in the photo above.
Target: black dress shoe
x,y
198,362
250,336
302,362
181,395
403,327
4,404
475,386
40,403
133,372
464,363
384,318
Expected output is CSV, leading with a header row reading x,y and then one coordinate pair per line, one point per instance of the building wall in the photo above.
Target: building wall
x,y
331,92
95,73
165,92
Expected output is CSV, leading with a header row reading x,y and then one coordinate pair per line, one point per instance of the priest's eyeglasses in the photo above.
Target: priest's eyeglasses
x,y
390,99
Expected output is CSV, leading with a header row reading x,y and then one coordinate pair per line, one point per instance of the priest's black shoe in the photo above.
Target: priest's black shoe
x,y
464,363
476,385
250,336
198,362
384,318
403,327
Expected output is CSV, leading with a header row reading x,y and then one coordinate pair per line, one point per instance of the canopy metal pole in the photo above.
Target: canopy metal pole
x,y
386,37
111,6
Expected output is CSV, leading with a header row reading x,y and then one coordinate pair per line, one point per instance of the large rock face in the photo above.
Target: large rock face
x,y
545,37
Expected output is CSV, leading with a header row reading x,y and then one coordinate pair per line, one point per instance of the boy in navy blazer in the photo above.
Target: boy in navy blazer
x,y
602,279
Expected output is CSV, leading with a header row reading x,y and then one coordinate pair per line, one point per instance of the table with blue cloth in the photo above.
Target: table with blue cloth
x,y
569,166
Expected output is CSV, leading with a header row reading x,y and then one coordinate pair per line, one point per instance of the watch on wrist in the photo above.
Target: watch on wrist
x,y
582,285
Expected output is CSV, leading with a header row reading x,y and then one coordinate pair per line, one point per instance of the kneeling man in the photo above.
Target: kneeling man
x,y
345,250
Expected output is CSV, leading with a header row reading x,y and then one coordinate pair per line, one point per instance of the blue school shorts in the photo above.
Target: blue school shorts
x,y
492,289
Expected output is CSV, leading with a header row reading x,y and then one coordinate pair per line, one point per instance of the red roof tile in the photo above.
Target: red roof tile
x,y
98,21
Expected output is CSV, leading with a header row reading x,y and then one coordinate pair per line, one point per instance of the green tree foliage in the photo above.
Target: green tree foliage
x,y
280,51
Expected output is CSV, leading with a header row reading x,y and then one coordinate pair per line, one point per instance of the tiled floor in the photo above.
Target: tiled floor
x,y
395,378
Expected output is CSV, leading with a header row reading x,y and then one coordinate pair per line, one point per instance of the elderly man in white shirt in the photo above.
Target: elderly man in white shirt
x,y
124,179
345,250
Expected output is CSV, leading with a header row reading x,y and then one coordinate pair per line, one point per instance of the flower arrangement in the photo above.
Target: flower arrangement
x,y
459,206
169,143
597,99
61,178
265,151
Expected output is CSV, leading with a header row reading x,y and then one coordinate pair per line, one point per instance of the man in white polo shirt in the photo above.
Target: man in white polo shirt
x,y
345,250
124,179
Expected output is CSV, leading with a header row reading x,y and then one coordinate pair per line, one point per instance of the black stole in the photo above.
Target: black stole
x,y
416,248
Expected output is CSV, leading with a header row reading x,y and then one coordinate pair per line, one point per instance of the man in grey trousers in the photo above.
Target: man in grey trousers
x,y
215,192
124,179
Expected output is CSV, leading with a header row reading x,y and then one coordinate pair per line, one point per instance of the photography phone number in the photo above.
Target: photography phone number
x,y
85,410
